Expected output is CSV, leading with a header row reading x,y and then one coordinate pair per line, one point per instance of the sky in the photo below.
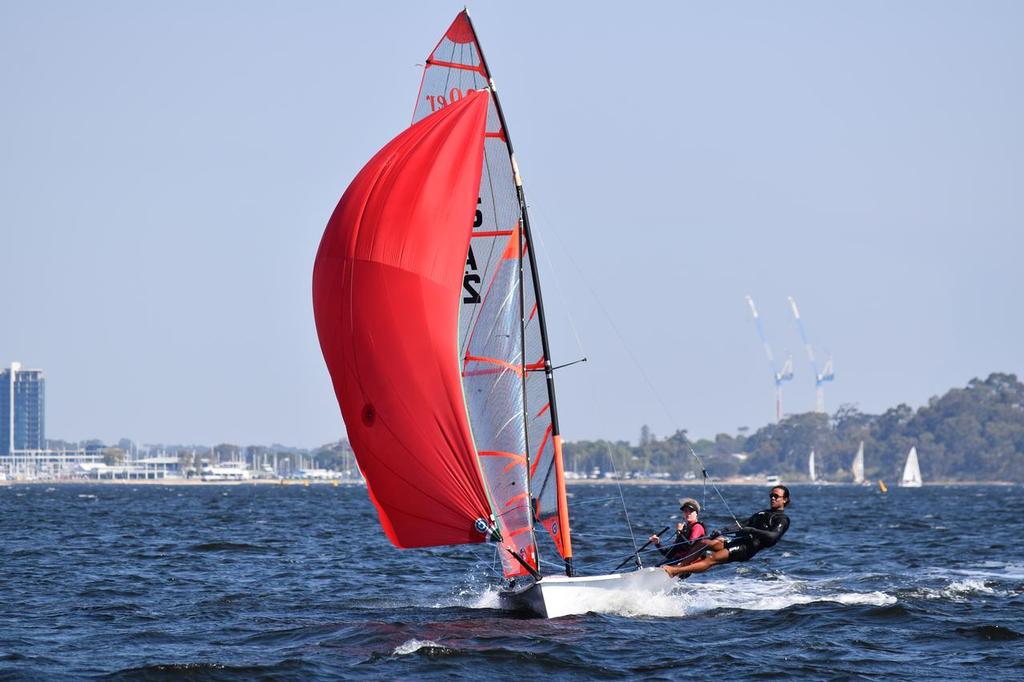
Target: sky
x,y
167,170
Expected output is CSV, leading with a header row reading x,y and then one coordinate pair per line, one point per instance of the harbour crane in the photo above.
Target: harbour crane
x,y
826,374
780,376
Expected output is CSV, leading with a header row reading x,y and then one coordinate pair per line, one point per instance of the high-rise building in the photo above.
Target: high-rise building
x,y
22,409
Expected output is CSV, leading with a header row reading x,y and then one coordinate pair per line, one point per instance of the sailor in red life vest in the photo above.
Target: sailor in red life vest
x,y
688,532
761,531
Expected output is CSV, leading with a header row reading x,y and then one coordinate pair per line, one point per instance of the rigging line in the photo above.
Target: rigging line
x,y
521,240
704,470
558,282
625,509
577,503
704,491
640,370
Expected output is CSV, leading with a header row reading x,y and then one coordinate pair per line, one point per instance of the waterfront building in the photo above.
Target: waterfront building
x,y
22,409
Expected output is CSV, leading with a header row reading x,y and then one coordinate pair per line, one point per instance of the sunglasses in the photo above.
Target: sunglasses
x,y
776,497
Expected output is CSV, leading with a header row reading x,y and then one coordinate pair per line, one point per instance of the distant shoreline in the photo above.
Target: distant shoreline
x,y
762,483
570,483
184,482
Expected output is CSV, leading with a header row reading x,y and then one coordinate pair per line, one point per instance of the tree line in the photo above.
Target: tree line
x,y
975,433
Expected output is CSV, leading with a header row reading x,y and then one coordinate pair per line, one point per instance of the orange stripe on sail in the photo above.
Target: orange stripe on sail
x,y
499,135
499,453
512,249
492,233
482,372
533,312
516,458
453,65
543,442
517,531
514,499
494,361
543,409
532,367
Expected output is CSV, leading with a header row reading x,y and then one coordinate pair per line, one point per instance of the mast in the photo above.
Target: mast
x,y
542,319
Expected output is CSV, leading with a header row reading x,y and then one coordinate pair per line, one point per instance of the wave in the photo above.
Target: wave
x,y
211,670
960,584
991,633
775,595
226,547
428,647
965,587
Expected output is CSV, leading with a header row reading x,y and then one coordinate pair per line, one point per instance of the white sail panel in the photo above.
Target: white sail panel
x,y
490,318
858,464
911,471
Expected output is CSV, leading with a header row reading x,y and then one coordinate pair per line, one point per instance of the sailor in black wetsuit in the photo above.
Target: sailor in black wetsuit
x,y
762,530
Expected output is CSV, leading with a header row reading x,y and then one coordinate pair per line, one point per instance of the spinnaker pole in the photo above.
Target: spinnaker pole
x,y
563,506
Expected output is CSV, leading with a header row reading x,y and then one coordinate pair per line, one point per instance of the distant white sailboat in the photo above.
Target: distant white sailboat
x,y
810,468
858,465
911,471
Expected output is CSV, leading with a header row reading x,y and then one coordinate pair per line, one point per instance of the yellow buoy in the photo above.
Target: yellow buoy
x,y
882,486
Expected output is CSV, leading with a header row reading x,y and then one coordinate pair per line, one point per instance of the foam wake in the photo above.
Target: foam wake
x,y
694,597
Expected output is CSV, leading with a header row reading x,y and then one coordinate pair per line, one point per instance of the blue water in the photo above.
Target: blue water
x,y
292,582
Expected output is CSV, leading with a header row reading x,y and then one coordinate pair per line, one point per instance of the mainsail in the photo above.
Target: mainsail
x,y
858,464
502,338
386,282
911,471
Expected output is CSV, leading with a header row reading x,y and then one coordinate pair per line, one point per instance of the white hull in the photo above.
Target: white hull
x,y
556,596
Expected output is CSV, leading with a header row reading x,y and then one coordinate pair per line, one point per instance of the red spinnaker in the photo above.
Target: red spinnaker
x,y
387,285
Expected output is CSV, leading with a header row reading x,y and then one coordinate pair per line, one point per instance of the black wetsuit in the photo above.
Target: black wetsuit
x,y
761,531
682,547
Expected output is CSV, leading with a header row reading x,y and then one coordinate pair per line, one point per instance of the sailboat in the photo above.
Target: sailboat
x,y
429,313
911,471
858,465
810,468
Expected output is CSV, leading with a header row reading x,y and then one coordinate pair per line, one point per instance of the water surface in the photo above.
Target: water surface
x,y
292,582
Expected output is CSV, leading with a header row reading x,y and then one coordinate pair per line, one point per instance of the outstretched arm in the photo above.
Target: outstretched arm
x,y
766,535
772,535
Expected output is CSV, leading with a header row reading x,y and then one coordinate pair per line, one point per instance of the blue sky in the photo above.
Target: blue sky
x,y
166,171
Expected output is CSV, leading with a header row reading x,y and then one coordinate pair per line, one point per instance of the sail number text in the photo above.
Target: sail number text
x,y
441,101
471,280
